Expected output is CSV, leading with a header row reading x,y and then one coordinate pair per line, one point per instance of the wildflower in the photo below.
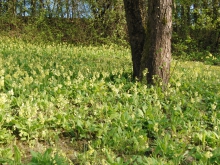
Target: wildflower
x,y
59,86
11,92
91,150
47,72
44,133
156,129
196,93
3,99
41,118
2,82
2,72
192,100
178,84
208,154
213,106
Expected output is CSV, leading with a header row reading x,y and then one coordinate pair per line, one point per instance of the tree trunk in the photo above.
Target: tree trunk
x,y
33,8
41,6
176,12
73,9
11,8
215,6
1,7
195,13
136,33
156,55
184,21
67,9
215,21
159,41
24,8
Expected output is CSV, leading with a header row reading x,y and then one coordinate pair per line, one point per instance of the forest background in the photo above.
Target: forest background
x,y
196,24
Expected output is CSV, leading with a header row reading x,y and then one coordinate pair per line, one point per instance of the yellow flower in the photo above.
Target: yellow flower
x,y
208,154
156,129
11,92
3,99
213,106
178,84
192,100
2,72
2,82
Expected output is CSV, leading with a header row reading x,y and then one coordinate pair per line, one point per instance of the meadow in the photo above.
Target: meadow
x,y
64,104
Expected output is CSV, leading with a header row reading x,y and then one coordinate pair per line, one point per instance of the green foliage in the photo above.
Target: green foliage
x,y
7,160
196,27
79,26
81,104
205,56
47,158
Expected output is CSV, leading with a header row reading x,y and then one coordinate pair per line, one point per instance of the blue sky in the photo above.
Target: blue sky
x,y
83,9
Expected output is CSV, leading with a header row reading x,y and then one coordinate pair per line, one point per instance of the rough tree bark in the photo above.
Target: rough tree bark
x,y
159,40
150,49
136,33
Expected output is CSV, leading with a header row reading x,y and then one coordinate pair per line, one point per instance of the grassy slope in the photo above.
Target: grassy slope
x,y
80,101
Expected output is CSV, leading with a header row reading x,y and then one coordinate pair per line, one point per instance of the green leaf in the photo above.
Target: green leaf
x,y
17,155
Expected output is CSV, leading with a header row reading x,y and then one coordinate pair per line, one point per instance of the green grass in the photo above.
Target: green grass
x,y
68,104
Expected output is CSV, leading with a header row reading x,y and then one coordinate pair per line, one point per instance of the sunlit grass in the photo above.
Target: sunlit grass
x,y
80,102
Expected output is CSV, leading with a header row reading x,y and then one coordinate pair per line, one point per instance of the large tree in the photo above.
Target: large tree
x,y
151,43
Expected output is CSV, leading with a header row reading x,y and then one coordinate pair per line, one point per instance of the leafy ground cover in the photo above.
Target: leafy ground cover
x,y
62,104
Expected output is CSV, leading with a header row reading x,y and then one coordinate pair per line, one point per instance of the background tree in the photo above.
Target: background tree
x,y
196,27
108,18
